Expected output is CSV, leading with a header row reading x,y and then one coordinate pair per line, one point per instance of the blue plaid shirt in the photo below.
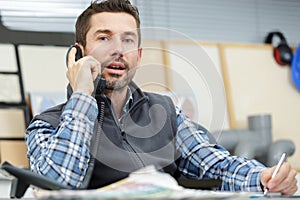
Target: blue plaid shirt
x,y
62,153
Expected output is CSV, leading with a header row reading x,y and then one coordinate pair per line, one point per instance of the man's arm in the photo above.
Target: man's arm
x,y
200,159
62,152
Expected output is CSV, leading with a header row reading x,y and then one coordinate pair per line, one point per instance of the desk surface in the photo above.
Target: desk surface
x,y
162,194
140,186
236,198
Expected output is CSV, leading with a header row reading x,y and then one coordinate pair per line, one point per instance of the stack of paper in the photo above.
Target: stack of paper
x,y
146,183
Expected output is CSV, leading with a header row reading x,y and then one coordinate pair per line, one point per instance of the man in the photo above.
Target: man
x,y
108,135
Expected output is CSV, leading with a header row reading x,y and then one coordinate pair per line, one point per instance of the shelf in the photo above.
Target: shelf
x,y
21,104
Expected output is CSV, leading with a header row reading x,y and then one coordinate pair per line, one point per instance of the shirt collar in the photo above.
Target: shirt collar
x,y
129,101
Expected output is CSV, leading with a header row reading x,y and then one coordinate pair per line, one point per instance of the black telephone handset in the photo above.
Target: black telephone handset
x,y
78,54
99,83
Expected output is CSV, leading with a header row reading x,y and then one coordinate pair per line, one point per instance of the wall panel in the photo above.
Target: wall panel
x,y
258,85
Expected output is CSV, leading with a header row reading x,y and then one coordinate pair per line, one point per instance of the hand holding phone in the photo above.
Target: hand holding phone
x,y
78,54
82,71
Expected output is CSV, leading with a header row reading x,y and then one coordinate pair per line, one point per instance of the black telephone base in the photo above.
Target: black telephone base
x,y
18,189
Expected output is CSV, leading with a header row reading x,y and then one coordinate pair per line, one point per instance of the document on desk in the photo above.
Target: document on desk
x,y
146,183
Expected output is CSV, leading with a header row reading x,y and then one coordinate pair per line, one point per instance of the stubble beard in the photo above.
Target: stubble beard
x,y
119,84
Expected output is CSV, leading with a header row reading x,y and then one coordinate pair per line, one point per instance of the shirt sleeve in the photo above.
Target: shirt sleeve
x,y
202,160
62,153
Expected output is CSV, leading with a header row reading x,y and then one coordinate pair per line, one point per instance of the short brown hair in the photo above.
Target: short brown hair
x,y
83,21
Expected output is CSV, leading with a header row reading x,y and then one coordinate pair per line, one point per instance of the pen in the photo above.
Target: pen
x,y
276,169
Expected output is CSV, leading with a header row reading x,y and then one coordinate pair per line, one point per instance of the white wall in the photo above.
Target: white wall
x,y
44,68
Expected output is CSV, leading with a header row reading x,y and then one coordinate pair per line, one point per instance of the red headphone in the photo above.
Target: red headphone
x,y
283,54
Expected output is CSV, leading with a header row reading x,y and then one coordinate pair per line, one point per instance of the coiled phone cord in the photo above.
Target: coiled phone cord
x,y
99,124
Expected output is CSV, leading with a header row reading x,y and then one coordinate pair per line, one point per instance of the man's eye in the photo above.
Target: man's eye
x,y
103,38
128,40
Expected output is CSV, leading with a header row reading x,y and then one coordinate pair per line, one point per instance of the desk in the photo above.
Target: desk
x,y
146,183
29,195
217,197
152,193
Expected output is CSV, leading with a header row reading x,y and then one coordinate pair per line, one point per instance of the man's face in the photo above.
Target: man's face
x,y
113,40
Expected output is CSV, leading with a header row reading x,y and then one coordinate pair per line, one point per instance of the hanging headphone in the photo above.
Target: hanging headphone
x,y
283,54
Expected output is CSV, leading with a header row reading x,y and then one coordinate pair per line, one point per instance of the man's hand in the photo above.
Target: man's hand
x,y
82,73
284,182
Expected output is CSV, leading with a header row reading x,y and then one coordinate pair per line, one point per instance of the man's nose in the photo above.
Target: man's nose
x,y
117,47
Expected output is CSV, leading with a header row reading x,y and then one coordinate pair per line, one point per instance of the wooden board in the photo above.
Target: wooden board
x,y
14,152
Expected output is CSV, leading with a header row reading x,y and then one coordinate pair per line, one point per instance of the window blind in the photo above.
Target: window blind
x,y
221,20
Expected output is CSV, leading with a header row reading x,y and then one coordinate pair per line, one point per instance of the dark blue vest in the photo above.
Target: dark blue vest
x,y
145,135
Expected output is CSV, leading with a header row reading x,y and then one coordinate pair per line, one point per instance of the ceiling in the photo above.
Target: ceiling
x,y
42,16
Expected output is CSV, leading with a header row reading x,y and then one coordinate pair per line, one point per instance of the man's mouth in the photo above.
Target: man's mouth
x,y
116,68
